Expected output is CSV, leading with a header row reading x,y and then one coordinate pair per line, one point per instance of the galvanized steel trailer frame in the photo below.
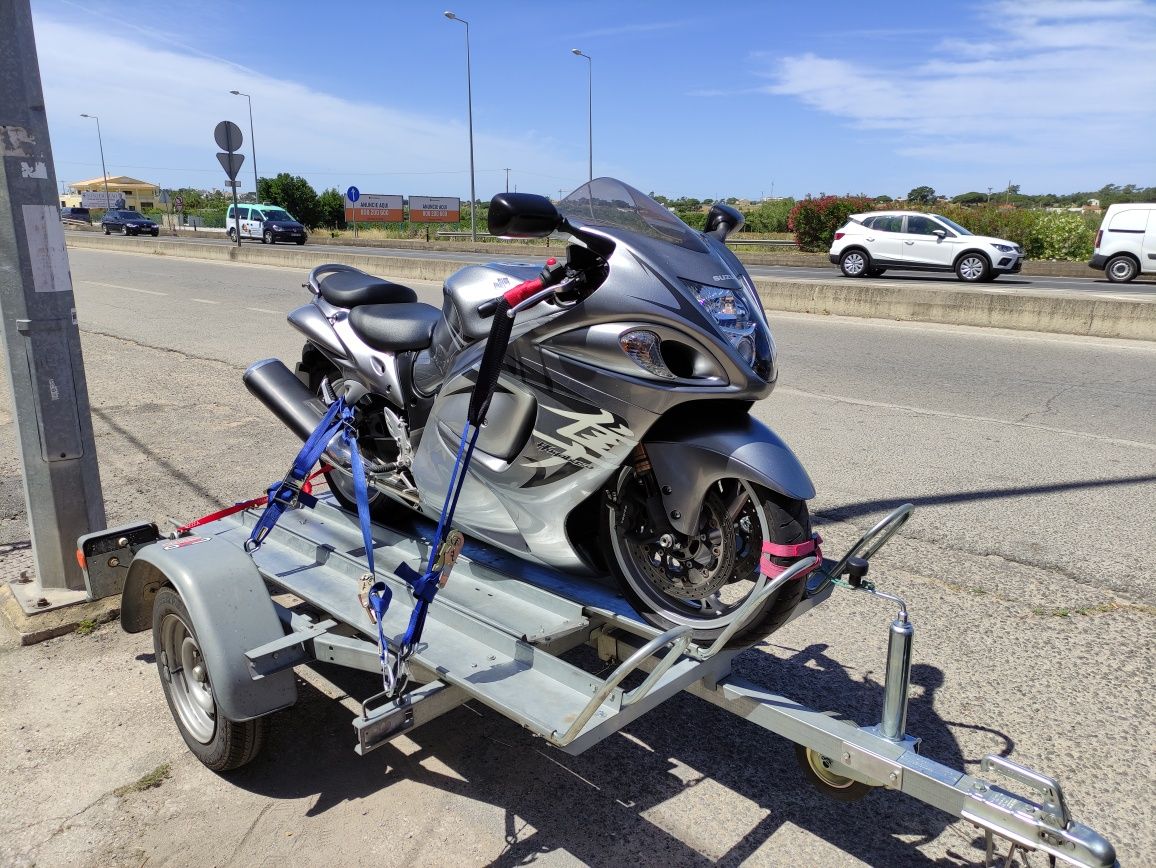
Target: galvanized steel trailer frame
x,y
496,634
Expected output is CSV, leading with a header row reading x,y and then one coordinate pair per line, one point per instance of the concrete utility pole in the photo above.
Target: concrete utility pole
x,y
41,340
577,52
470,114
104,171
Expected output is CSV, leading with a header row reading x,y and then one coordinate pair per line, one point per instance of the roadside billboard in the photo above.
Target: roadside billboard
x,y
375,208
434,209
97,199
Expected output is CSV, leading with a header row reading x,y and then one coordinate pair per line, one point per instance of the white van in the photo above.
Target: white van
x,y
270,223
1126,241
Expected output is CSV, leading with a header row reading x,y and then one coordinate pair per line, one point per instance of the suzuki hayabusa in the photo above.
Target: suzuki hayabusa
x,y
618,439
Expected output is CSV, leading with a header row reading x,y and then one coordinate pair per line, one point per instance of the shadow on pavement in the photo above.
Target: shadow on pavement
x,y
616,802
883,505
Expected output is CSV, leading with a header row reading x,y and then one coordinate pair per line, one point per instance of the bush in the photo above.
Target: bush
x,y
770,216
1060,235
814,221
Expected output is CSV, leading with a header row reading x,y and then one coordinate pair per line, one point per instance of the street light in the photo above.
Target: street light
x,y
589,105
470,109
252,140
104,171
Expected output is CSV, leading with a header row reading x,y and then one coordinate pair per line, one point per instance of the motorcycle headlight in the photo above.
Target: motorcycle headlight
x,y
731,310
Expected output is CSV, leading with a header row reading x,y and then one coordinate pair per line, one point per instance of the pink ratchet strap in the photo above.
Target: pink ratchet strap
x,y
798,550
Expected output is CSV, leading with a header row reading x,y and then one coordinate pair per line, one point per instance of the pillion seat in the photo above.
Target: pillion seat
x,y
346,286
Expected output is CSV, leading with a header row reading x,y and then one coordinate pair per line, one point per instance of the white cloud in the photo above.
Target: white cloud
x,y
160,108
1058,83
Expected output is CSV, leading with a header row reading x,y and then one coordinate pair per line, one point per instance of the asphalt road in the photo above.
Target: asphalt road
x,y
1031,460
1094,285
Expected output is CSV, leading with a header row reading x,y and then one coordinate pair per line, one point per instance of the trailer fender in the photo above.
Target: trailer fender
x,y
694,455
231,612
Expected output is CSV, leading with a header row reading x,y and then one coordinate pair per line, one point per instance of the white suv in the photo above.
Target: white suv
x,y
871,243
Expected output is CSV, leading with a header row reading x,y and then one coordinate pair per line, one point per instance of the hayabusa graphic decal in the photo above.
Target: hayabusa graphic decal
x,y
584,443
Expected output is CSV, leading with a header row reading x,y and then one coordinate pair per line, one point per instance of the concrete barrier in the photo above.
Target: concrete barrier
x,y
1104,318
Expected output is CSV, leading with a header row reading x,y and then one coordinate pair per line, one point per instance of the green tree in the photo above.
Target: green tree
x,y
293,193
970,198
192,199
923,195
330,207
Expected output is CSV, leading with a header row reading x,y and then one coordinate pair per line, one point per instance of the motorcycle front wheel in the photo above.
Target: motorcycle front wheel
x,y
702,580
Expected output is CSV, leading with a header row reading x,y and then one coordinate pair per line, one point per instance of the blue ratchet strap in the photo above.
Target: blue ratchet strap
x,y
425,585
287,492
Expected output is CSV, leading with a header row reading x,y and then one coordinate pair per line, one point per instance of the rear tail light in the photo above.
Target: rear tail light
x,y
839,235
1099,235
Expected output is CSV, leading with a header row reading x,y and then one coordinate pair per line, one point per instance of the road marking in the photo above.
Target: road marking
x,y
204,301
263,310
943,414
127,288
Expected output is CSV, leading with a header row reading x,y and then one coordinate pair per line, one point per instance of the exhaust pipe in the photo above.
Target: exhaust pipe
x,y
280,390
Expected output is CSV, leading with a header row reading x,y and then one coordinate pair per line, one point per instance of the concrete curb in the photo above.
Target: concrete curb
x,y
55,622
1103,318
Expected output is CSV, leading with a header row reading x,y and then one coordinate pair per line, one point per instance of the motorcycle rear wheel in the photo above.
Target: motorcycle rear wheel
x,y
313,369
703,582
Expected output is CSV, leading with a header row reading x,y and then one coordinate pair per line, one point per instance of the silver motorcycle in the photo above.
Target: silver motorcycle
x,y
618,438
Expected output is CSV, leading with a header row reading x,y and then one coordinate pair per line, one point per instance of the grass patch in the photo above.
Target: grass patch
x,y
150,781
86,626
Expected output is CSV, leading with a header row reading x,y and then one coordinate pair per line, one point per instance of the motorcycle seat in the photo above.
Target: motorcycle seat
x,y
349,287
396,327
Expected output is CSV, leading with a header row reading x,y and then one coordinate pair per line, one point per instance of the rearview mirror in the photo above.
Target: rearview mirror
x,y
940,234
723,221
522,215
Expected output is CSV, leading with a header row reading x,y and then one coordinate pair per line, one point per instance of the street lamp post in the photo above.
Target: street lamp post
x,y
104,171
470,110
252,140
507,180
589,106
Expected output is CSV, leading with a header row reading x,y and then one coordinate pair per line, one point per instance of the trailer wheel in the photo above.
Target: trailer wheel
x,y
820,771
219,743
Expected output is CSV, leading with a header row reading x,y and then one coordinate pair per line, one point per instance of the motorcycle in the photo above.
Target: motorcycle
x,y
618,438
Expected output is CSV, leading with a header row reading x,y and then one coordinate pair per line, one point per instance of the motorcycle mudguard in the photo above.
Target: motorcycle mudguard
x,y
698,454
231,614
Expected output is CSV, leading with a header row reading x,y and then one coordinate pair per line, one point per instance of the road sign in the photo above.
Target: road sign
x,y
231,163
179,203
352,194
163,197
228,136
232,183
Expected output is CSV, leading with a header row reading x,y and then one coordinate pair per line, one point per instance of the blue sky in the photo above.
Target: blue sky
x,y
697,99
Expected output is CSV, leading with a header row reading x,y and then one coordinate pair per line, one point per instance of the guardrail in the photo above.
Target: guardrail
x,y
762,242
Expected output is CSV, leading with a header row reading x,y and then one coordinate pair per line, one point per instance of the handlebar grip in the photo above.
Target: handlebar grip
x,y
488,308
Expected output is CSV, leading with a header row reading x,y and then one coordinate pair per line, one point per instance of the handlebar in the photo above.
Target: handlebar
x,y
553,274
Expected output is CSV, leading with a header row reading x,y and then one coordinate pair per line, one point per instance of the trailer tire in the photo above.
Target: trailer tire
x,y
818,772
219,743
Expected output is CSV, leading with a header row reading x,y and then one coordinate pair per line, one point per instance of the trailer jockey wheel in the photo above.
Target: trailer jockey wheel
x,y
821,772
219,743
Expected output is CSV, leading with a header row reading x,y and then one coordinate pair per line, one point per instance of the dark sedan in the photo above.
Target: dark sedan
x,y
128,223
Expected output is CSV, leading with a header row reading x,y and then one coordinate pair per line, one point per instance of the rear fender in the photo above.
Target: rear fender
x,y
231,612
686,462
